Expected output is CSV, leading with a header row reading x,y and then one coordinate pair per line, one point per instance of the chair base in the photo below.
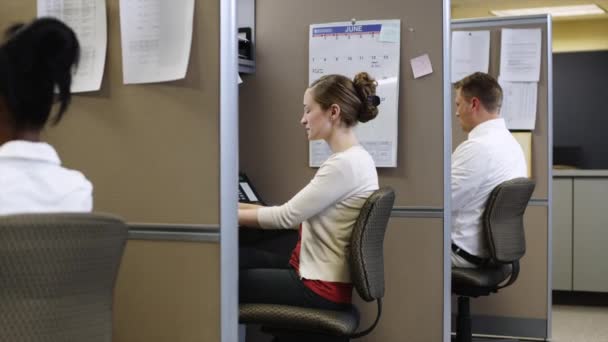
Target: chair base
x,y
463,324
307,339
480,339
292,336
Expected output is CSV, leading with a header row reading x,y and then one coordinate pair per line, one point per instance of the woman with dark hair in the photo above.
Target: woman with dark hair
x,y
317,274
36,65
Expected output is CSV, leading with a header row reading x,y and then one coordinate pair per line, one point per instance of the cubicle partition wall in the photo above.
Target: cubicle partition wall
x,y
153,153
523,309
274,148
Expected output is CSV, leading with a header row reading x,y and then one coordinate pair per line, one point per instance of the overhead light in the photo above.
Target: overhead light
x,y
555,11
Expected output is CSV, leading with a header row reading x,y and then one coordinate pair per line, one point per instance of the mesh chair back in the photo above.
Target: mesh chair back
x,y
503,219
367,260
57,275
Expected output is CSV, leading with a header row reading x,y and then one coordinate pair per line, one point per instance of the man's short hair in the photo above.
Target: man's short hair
x,y
484,87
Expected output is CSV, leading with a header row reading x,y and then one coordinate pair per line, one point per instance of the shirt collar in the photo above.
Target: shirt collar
x,y
487,126
20,149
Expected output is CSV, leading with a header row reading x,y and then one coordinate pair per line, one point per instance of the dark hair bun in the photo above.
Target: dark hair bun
x,y
366,88
41,57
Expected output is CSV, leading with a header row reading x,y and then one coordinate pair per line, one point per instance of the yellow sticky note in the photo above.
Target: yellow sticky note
x,y
525,140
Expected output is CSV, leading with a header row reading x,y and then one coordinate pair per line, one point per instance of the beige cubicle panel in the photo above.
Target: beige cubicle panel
x,y
168,291
151,150
540,135
413,276
273,145
274,148
523,309
152,154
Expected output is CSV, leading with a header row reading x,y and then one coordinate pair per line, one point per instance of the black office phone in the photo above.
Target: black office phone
x,y
247,193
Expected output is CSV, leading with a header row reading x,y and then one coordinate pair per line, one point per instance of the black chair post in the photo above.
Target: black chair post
x,y
463,320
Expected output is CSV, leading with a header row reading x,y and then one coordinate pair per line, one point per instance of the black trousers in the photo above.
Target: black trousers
x,y
265,275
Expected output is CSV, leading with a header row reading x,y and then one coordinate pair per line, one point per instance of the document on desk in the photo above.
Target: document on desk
x,y
520,54
88,20
156,39
470,53
519,104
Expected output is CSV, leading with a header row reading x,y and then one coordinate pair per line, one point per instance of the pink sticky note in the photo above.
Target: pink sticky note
x,y
421,66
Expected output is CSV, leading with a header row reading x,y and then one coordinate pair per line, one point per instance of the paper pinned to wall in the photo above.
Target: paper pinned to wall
x,y
525,141
346,48
421,66
519,104
390,33
470,53
382,150
520,53
88,20
156,39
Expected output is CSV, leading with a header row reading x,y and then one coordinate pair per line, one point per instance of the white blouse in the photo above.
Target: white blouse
x,y
32,180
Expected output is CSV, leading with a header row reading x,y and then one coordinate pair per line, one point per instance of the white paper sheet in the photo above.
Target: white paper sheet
x,y
156,39
519,104
470,53
347,49
520,54
88,19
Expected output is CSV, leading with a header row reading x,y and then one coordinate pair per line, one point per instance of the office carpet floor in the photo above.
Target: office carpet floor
x,y
580,323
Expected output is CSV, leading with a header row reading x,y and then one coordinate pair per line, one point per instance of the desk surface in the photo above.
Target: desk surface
x,y
580,173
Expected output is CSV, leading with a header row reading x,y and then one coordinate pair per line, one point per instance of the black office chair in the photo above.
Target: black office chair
x,y
57,275
290,323
504,231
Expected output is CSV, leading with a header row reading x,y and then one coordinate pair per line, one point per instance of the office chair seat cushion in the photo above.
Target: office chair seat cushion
x,y
475,282
295,318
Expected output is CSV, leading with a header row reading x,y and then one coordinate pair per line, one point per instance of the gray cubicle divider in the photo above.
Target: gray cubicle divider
x,y
274,149
155,153
524,309
228,195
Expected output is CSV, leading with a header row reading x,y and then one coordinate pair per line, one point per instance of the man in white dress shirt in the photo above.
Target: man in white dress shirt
x,y
488,157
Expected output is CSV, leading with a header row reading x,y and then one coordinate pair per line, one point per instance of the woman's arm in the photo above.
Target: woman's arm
x,y
248,217
331,182
249,206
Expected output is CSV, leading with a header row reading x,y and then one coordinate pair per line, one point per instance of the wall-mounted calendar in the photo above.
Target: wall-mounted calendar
x,y
348,48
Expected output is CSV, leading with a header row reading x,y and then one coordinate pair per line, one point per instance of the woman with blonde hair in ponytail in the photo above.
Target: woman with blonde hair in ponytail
x,y
317,274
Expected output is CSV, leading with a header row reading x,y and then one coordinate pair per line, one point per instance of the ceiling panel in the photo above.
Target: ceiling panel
x,y
481,8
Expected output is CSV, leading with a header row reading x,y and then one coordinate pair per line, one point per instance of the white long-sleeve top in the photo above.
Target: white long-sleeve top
x,y
32,180
327,208
489,156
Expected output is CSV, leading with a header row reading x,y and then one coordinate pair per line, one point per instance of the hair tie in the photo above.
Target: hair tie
x,y
374,100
